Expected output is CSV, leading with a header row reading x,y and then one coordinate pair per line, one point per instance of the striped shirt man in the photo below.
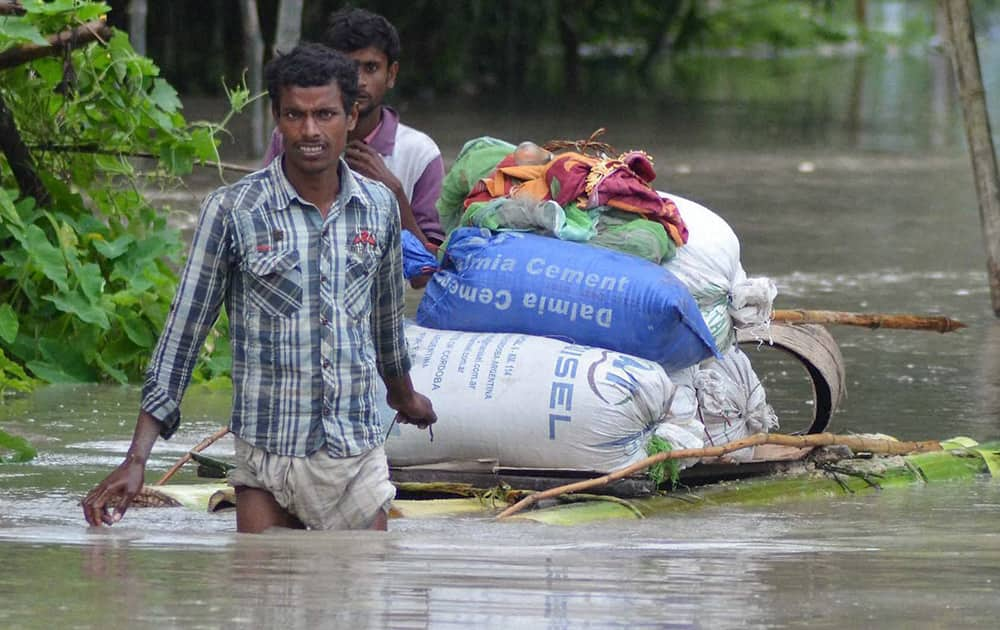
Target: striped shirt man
x,y
315,313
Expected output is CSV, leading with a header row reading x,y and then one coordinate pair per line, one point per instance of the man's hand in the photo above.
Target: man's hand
x,y
366,160
107,502
416,410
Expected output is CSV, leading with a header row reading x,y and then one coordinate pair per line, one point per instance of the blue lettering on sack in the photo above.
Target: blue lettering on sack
x,y
553,418
561,392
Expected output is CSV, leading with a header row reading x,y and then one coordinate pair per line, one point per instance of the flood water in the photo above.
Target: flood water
x,y
848,184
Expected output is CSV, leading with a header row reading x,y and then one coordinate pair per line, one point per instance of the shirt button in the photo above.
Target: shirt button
x,y
323,321
326,363
324,279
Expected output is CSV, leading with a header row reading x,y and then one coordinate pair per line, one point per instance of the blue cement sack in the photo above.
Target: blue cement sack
x,y
524,283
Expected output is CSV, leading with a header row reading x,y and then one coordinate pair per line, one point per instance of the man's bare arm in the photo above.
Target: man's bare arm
x,y
107,502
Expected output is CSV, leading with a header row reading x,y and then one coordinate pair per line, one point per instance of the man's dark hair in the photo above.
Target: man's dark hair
x,y
353,29
312,65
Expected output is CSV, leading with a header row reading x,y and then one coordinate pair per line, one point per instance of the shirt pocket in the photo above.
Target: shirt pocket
x,y
359,276
274,282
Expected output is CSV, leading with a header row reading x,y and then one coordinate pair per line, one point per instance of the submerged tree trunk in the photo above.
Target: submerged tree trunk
x,y
137,12
965,56
571,49
253,49
289,26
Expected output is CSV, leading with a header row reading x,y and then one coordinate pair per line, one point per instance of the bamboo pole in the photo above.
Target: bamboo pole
x,y
904,321
187,456
965,58
856,443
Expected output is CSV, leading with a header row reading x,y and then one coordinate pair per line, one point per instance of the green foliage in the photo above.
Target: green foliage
x,y
21,450
86,282
668,468
777,25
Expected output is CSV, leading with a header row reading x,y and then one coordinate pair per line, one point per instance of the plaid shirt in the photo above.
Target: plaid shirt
x,y
315,313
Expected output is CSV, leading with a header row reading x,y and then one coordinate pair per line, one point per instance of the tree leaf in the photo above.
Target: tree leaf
x,y
7,210
137,330
164,96
205,145
178,159
13,376
66,359
120,377
19,29
8,323
75,304
91,282
23,450
51,373
113,249
45,256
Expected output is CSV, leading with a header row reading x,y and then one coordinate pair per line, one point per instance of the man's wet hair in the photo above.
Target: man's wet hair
x,y
352,29
312,65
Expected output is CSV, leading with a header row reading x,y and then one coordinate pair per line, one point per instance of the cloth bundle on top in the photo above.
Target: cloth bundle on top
x,y
603,201
476,160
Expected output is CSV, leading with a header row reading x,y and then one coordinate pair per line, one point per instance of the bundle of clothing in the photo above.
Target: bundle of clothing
x,y
602,201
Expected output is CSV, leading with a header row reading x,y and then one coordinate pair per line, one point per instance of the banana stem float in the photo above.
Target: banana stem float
x,y
856,443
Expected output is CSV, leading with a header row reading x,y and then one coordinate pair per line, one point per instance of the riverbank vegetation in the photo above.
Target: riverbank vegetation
x,y
87,264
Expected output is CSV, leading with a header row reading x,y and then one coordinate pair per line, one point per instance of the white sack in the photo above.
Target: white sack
x,y
731,401
529,402
682,426
709,266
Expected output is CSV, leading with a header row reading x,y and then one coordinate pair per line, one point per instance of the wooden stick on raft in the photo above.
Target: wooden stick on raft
x,y
856,443
187,456
871,320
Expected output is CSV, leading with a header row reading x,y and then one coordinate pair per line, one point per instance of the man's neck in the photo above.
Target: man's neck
x,y
320,189
366,125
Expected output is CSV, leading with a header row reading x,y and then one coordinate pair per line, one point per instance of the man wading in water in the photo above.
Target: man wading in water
x,y
305,255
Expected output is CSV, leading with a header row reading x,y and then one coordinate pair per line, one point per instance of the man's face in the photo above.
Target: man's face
x,y
375,77
314,125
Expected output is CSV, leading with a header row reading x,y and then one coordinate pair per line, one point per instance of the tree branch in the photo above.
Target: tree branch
x,y
19,158
11,8
96,150
95,30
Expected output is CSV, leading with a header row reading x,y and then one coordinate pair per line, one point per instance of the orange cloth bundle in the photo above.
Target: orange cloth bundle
x,y
622,183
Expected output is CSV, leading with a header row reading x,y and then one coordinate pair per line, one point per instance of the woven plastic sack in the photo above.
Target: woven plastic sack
x,y
529,402
519,282
709,266
731,401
